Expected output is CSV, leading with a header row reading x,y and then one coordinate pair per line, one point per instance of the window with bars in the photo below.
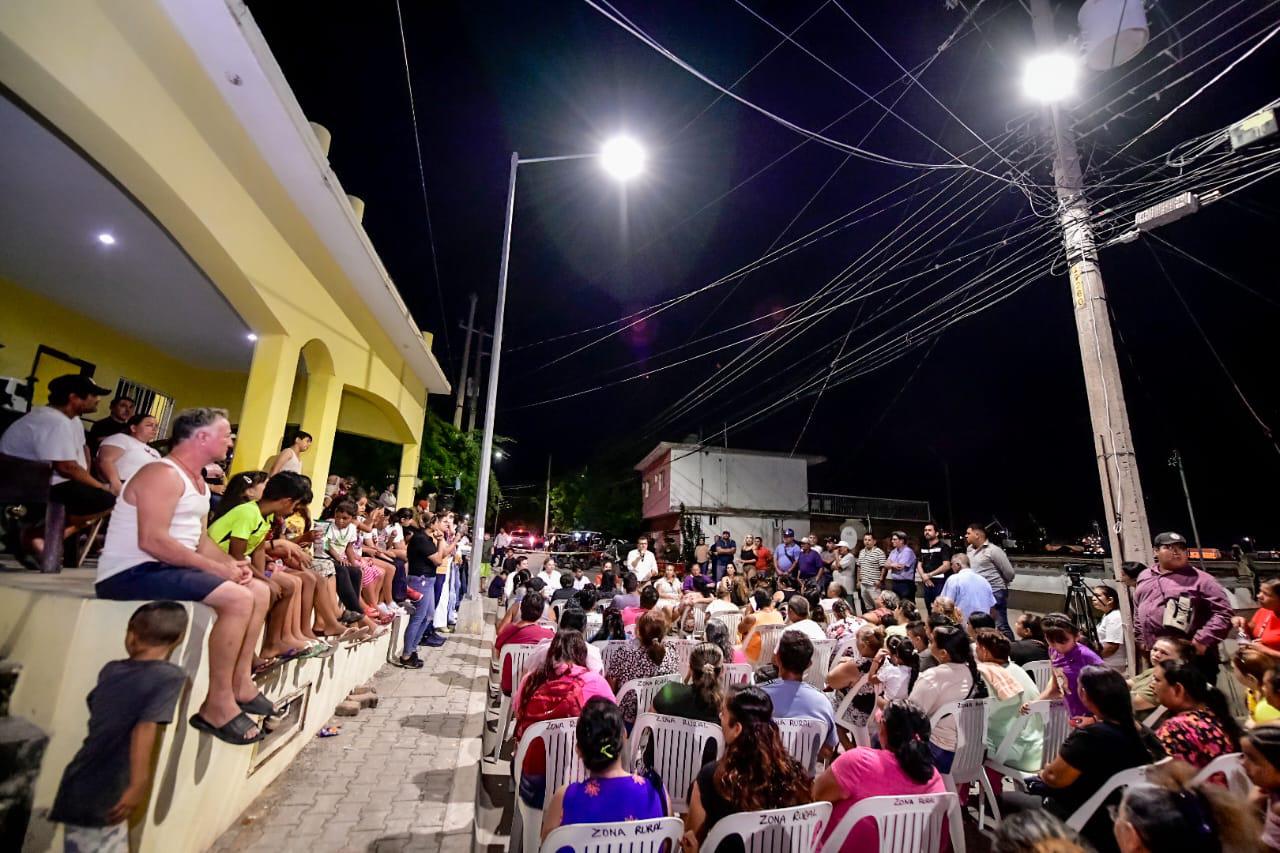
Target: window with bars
x,y
148,401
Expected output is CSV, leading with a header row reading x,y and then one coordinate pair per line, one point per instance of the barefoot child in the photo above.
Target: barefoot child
x,y
111,774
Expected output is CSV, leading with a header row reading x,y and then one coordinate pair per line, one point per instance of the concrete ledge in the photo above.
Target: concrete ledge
x,y
61,639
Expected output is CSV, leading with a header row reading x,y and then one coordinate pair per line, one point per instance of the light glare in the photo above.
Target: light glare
x,y
1050,78
106,239
252,337
622,157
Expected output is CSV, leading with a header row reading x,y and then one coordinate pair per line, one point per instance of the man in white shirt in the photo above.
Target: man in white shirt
x,y
798,619
55,434
579,579
641,562
722,603
548,573
845,569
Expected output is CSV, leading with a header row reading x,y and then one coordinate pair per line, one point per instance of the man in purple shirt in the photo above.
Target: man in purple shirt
x,y
1175,597
900,568
809,563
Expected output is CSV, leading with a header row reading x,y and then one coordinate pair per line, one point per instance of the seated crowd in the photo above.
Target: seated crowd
x,y
890,675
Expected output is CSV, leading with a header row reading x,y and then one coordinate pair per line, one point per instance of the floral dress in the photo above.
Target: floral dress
x,y
631,662
1195,737
614,799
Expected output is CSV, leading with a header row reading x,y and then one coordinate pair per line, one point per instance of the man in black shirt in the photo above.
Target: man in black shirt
x,y
117,421
424,556
934,564
566,590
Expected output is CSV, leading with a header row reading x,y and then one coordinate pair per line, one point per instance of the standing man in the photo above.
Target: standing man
x,y
935,564
968,589
845,569
871,561
900,568
786,554
1174,596
725,549
116,421
501,543
990,561
641,562
809,564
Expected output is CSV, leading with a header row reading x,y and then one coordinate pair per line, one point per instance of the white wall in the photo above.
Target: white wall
x,y
714,477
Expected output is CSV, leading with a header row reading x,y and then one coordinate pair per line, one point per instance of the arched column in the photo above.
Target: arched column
x,y
266,402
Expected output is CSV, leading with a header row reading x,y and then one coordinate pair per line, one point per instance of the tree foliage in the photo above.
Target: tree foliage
x,y
450,455
598,499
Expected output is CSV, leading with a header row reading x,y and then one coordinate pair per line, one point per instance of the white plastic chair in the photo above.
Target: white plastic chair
x,y
645,689
844,716
970,717
769,636
1123,779
730,621
700,620
816,674
595,622
678,746
684,651
803,737
1041,672
906,824
631,836
1232,766
1057,725
559,738
558,607
736,673
797,829
517,654
1153,719
608,648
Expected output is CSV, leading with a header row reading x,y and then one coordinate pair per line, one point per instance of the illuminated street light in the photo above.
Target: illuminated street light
x,y
622,157
1050,77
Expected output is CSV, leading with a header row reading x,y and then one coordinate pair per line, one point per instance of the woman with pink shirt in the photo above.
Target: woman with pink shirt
x,y
904,768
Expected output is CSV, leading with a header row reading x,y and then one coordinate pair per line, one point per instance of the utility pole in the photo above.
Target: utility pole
x,y
1122,499
460,395
473,389
1175,461
546,509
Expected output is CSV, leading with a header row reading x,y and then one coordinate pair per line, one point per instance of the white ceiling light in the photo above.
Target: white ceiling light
x,y
106,239
1051,77
252,337
622,157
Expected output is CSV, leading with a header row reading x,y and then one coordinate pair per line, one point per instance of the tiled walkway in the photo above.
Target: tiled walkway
x,y
401,776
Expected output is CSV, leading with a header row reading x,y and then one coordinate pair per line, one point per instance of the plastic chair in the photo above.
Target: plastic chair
x,y
1057,725
730,621
516,654
971,748
645,689
1123,779
558,607
607,650
906,824
816,674
1230,765
1153,718
797,829
803,737
1041,672
684,651
736,673
678,746
700,620
769,636
844,716
595,622
559,738
659,835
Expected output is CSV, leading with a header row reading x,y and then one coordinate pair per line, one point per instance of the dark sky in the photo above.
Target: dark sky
x,y
998,400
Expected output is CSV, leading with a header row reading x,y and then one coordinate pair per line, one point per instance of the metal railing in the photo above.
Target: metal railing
x,y
852,506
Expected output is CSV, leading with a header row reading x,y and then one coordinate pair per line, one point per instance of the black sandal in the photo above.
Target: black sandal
x,y
259,704
234,731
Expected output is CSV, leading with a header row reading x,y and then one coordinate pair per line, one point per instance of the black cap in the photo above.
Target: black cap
x,y
75,383
1170,538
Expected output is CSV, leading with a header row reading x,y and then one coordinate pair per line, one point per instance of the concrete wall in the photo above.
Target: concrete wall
x,y
658,479
715,477
200,785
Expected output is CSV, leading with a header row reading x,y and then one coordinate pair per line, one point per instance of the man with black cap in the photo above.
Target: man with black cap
x,y
1174,597
55,434
786,554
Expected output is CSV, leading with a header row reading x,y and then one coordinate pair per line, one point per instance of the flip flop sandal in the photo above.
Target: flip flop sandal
x,y
234,731
259,705
265,666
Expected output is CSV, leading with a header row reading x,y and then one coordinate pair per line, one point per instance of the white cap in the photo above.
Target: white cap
x,y
843,544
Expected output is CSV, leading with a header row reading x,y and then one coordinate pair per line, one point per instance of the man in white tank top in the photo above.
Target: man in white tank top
x,y
157,548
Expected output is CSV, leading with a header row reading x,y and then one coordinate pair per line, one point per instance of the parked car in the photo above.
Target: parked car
x,y
524,540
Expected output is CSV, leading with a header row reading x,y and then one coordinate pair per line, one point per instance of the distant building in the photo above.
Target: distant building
x,y
757,493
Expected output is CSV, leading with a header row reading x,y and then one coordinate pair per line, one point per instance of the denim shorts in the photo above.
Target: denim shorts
x,y
159,581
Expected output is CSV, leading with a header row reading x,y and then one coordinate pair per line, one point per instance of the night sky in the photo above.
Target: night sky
x,y
997,401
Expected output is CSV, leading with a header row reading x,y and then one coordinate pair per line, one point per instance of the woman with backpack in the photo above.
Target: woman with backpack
x,y
556,690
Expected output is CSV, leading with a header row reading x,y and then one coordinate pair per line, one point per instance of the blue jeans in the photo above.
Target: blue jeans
x,y
455,591
1001,612
905,590
422,611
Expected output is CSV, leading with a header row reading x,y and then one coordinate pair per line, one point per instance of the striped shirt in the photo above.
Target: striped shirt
x,y
870,562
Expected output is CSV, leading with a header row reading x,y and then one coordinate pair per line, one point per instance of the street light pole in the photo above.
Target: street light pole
x,y
1126,513
460,394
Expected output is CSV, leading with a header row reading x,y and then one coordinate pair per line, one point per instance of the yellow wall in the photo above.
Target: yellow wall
x,y
31,320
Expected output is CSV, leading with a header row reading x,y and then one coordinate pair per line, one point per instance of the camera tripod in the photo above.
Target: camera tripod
x,y
1079,606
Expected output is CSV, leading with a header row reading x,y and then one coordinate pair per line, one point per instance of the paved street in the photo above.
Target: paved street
x,y
400,777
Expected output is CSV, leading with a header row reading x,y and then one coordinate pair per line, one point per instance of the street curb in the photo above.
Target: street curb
x,y
460,811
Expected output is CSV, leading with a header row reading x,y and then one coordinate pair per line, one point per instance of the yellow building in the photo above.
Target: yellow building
x,y
171,225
